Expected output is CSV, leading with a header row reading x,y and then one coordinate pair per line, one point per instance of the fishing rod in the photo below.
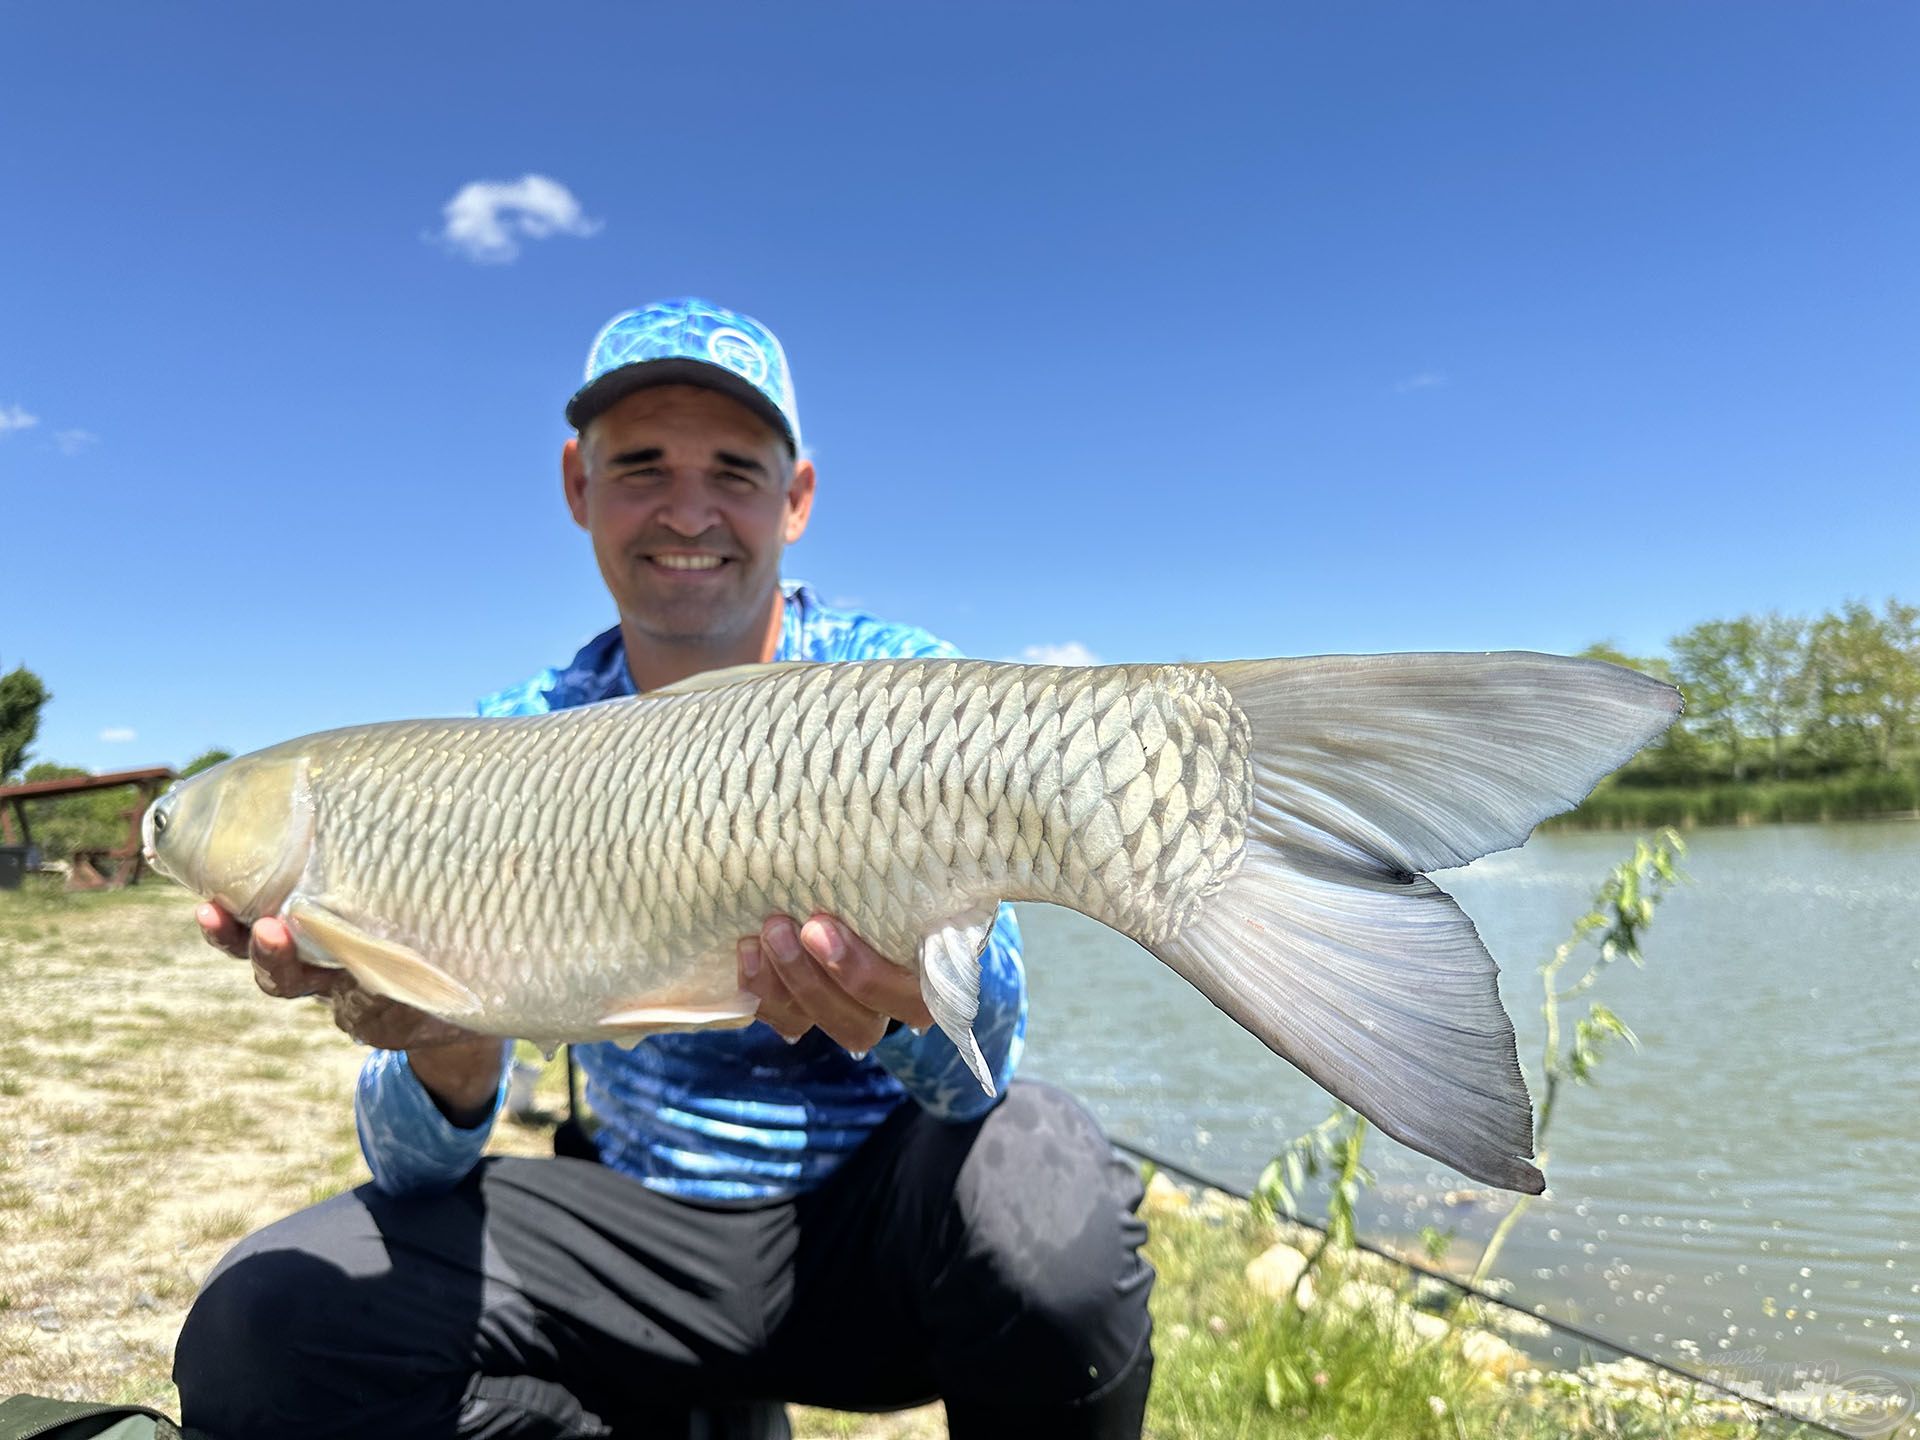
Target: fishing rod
x,y
1174,1167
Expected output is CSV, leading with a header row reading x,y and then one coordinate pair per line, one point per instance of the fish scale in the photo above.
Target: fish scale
x,y
1261,826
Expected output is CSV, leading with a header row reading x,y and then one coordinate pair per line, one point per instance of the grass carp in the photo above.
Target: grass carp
x,y
1260,826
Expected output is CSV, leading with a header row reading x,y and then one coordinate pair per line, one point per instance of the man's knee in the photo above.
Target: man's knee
x,y
288,1328
1050,1252
1045,1194
235,1362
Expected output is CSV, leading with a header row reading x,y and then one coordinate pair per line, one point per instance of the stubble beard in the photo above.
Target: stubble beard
x,y
701,624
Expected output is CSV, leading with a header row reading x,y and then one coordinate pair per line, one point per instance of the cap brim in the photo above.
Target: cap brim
x,y
590,399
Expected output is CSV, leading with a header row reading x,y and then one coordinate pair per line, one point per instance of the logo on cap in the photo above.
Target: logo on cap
x,y
738,352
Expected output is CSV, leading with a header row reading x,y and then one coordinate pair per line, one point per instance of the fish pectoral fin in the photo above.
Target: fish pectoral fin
x,y
644,1020
385,967
950,983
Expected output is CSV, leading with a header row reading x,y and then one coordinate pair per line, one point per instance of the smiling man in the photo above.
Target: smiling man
x,y
823,1207
691,566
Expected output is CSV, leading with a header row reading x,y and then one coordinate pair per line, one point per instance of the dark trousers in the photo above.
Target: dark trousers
x,y
992,1264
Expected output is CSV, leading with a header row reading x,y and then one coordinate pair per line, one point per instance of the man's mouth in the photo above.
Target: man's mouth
x,y
687,562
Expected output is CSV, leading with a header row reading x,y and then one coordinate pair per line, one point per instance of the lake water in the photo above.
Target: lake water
x,y
1747,1183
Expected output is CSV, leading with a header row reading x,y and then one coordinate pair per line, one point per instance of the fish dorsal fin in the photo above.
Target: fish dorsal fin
x,y
730,675
382,966
950,983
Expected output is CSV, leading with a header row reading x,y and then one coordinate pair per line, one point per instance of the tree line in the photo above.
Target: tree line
x,y
1782,697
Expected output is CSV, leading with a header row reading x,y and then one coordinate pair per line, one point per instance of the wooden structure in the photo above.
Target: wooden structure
x,y
92,869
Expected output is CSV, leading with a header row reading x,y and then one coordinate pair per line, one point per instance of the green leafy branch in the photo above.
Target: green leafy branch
x,y
1333,1147
1609,932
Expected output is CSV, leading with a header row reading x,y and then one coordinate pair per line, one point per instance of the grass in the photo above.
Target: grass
x,y
146,1124
1232,1362
216,1226
140,1074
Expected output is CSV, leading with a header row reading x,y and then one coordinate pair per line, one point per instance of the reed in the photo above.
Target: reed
x,y
1856,796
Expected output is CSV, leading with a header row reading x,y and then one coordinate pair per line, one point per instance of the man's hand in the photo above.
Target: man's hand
x,y
823,974
277,969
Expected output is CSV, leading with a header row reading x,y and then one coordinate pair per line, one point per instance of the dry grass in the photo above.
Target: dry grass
x,y
154,1108
132,1108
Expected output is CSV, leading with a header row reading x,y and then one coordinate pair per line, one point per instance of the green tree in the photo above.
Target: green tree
x,y
21,696
1863,674
205,760
1775,678
91,820
1712,663
1654,665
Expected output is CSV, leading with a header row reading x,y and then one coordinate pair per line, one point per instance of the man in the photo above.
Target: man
x,y
823,1207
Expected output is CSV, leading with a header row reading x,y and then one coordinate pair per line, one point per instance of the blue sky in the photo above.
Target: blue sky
x,y
1160,331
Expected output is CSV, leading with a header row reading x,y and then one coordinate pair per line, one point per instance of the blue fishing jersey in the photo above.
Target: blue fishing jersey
x,y
720,1114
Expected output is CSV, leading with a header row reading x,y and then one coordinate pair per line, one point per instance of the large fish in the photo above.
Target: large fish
x,y
1261,826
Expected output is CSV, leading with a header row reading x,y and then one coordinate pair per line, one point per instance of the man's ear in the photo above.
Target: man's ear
x,y
573,479
799,499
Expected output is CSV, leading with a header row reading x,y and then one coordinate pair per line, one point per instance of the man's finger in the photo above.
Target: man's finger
x,y
272,941
278,968
222,930
760,977
856,1027
387,1024
866,975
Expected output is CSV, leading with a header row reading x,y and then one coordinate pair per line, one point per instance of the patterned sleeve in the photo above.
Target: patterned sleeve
x,y
411,1148
928,1065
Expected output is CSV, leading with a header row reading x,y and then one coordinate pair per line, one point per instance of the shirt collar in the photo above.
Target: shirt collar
x,y
599,671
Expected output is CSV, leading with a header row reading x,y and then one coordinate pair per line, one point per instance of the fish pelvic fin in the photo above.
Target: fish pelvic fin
x,y
385,967
1329,944
641,1019
950,984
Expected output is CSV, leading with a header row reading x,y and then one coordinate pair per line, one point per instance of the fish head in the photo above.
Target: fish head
x,y
238,833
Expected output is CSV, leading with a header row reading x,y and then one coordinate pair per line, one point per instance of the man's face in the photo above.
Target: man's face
x,y
690,498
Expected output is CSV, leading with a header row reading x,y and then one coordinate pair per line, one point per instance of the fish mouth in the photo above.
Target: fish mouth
x,y
147,853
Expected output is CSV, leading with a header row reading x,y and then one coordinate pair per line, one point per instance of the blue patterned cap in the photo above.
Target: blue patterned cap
x,y
689,342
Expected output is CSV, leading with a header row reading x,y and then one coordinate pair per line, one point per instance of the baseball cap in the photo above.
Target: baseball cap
x,y
689,341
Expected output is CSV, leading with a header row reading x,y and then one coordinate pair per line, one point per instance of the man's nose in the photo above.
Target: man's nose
x,y
687,509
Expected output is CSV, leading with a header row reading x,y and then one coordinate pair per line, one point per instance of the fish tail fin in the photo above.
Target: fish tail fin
x,y
1330,944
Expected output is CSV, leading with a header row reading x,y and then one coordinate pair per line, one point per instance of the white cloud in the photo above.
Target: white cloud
x,y
72,442
488,219
1070,652
12,417
1425,380
117,735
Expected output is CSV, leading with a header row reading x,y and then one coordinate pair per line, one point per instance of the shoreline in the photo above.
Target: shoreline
x,y
1571,824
